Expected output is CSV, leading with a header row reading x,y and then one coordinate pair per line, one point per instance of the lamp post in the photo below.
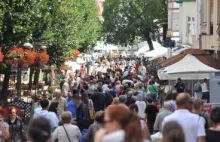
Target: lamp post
x,y
28,45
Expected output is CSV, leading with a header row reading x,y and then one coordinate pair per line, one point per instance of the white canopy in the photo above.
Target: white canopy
x,y
73,65
107,47
158,52
189,68
146,48
80,61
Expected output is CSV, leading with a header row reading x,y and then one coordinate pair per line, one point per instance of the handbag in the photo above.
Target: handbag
x,y
67,134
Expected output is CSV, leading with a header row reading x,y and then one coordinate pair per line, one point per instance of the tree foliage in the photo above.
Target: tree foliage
x,y
62,25
72,25
125,20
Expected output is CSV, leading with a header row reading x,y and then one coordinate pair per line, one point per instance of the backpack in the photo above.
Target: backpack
x,y
180,87
206,121
197,87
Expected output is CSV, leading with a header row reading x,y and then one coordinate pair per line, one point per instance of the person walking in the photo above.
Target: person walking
x,y
51,116
198,90
173,132
193,127
39,130
197,108
151,111
99,122
205,91
70,104
67,132
153,89
83,120
99,100
180,86
16,129
160,117
121,125
4,127
141,107
62,104
213,133
130,100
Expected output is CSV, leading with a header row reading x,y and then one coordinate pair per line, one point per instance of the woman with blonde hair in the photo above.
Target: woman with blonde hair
x,y
115,101
99,121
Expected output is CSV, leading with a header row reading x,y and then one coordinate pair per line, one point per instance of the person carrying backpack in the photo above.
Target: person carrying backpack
x,y
198,90
197,108
180,86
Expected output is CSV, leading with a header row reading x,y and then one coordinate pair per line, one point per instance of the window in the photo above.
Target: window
x,y
191,26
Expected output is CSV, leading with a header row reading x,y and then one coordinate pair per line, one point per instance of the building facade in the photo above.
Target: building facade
x,y
210,26
200,24
173,19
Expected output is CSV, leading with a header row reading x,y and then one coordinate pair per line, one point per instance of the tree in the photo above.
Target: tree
x,y
128,19
62,25
72,25
17,22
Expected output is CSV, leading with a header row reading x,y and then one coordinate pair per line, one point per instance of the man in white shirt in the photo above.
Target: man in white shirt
x,y
104,87
141,107
192,126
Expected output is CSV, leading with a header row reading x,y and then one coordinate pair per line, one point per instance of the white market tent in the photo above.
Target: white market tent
x,y
146,48
73,65
188,68
105,47
158,52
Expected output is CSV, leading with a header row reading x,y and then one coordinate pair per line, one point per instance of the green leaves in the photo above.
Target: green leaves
x,y
65,25
125,20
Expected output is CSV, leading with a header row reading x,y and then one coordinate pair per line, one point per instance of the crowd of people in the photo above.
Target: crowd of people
x,y
120,105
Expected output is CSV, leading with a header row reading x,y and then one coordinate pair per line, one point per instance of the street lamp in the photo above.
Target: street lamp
x,y
43,47
28,45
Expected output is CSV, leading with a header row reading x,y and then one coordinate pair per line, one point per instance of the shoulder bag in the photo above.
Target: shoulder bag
x,y
67,134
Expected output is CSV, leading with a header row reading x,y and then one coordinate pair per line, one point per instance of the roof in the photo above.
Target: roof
x,y
199,54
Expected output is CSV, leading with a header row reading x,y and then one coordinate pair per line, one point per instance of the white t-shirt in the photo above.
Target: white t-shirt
x,y
65,88
104,88
141,108
205,87
192,125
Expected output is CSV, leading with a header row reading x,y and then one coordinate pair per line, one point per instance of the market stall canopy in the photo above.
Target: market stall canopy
x,y
146,48
201,55
80,61
188,68
72,65
108,47
157,52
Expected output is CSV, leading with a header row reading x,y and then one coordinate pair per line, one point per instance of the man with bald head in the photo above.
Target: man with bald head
x,y
192,126
62,104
